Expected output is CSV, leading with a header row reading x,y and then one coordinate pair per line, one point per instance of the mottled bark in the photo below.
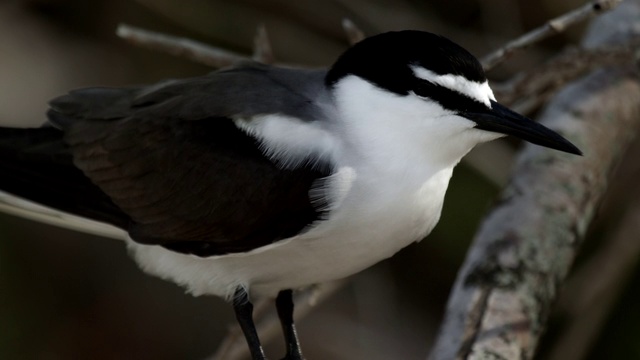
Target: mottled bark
x,y
526,246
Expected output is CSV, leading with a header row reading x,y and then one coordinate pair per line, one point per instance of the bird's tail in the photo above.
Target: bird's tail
x,y
36,167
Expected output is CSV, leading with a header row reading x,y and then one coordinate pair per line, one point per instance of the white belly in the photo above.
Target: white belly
x,y
360,233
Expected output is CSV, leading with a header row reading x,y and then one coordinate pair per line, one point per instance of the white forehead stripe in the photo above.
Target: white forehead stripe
x,y
478,91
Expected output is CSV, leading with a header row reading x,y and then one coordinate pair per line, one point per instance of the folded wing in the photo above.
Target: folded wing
x,y
168,165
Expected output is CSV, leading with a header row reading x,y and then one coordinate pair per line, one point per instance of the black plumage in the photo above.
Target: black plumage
x,y
35,164
373,58
167,164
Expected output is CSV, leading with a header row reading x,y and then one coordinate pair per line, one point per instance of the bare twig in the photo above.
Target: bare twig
x,y
262,51
530,89
525,247
234,346
354,34
191,49
552,27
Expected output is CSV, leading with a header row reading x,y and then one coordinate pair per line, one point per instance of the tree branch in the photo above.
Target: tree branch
x,y
530,89
526,245
552,27
177,46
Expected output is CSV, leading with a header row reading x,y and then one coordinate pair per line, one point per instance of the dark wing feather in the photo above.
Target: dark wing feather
x,y
239,92
36,164
172,160
193,182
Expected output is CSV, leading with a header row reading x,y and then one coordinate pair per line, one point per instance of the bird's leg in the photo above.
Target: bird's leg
x,y
244,314
284,304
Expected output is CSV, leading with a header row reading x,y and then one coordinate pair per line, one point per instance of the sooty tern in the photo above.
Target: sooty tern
x,y
258,179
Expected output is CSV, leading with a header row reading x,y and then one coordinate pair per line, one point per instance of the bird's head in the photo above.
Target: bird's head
x,y
414,72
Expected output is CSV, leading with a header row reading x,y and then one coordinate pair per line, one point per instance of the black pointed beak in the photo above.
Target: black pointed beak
x,y
502,120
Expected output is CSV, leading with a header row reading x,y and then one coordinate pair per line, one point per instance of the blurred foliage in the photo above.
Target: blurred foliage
x,y
66,295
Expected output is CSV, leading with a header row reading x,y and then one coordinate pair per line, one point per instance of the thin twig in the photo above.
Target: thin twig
x,y
178,46
234,346
353,32
552,27
530,89
262,50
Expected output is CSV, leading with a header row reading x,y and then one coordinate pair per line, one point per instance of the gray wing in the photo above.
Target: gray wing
x,y
171,159
240,91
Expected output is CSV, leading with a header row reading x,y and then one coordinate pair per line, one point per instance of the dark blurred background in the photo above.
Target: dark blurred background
x,y
65,295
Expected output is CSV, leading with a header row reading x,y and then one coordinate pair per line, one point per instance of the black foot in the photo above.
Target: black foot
x,y
284,304
244,314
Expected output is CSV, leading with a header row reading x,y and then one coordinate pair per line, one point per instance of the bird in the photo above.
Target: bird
x,y
258,180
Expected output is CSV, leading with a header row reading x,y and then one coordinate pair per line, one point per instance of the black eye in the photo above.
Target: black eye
x,y
447,98
425,88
